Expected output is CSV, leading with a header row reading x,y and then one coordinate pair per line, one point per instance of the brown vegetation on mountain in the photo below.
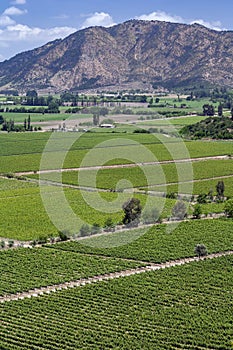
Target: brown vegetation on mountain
x,y
153,52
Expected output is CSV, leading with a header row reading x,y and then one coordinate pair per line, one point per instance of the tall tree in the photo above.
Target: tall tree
x,y
132,212
220,188
220,110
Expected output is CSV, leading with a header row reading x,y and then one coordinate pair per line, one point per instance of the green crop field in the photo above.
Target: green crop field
x,y
22,152
23,215
184,307
160,243
147,175
24,269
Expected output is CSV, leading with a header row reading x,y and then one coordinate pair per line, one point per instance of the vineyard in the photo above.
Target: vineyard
x,y
177,307
158,244
187,307
24,269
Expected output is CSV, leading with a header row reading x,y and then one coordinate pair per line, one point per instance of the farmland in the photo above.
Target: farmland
x,y
158,244
180,307
165,309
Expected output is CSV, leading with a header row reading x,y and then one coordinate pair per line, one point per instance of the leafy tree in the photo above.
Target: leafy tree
x,y
200,250
63,235
202,198
179,210
96,119
220,110
132,212
109,225
150,216
220,188
11,243
95,229
84,230
228,208
31,93
208,110
197,211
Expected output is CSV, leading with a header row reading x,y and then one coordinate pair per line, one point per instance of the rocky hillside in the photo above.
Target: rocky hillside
x,y
159,53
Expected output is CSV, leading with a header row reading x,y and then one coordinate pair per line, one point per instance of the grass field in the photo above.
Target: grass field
x,y
185,307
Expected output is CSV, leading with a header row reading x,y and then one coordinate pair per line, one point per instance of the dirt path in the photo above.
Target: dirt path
x,y
82,282
133,165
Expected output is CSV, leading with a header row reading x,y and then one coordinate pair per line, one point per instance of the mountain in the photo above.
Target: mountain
x,y
134,52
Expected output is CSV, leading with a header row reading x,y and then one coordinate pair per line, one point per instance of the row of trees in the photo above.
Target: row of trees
x,y
209,110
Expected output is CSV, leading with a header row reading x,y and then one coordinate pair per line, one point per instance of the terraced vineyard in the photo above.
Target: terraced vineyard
x,y
185,307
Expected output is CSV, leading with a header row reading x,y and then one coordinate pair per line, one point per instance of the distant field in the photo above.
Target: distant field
x,y
139,176
202,186
22,152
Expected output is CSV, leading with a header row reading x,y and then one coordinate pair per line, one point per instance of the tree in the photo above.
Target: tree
x,y
29,123
232,113
96,119
208,110
228,208
202,198
200,250
31,93
109,225
220,188
95,229
179,210
220,110
150,216
84,230
197,211
132,210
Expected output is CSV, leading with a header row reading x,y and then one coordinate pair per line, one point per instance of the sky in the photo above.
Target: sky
x,y
26,24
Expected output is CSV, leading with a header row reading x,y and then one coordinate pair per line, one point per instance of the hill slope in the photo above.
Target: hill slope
x,y
212,127
132,52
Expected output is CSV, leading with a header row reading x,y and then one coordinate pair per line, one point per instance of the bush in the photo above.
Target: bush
x,y
84,230
179,210
63,235
109,225
95,229
150,216
228,208
2,244
200,250
197,211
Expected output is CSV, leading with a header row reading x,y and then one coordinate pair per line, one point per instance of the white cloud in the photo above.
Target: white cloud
x,y
18,38
6,21
20,32
98,19
212,25
163,16
14,11
19,2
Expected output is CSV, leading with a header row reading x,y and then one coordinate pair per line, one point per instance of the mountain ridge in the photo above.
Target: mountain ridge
x,y
133,52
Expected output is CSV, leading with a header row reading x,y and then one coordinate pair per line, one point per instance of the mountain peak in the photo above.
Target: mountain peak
x,y
133,52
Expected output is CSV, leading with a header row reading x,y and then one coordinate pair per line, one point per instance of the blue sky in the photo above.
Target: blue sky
x,y
26,24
